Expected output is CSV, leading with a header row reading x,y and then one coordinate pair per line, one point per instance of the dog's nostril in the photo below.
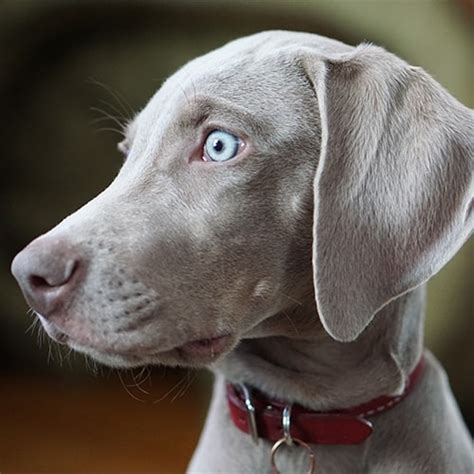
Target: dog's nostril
x,y
54,278
48,271
39,283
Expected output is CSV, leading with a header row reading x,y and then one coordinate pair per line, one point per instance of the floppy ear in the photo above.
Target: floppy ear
x,y
394,185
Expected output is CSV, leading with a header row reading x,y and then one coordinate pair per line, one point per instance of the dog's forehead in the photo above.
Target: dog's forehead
x,y
234,76
237,77
260,73
241,65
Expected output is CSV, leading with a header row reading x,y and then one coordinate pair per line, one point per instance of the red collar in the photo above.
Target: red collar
x,y
261,416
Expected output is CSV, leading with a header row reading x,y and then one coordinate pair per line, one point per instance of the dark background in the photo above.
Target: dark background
x,y
62,61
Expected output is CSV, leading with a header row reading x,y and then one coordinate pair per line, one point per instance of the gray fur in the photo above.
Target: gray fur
x,y
355,186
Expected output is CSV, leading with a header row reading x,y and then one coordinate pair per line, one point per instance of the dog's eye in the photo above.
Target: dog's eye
x,y
221,146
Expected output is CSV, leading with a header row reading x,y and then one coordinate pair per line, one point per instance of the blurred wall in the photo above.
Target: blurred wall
x,y
62,61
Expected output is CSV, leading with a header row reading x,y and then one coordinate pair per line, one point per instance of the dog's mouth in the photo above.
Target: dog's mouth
x,y
212,347
195,352
198,352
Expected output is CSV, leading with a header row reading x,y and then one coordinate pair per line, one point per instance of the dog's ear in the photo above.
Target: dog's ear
x,y
393,189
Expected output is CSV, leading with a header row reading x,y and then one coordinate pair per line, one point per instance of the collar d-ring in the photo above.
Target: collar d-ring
x,y
286,424
290,441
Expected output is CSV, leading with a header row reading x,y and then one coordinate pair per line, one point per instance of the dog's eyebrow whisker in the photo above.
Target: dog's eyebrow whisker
x,y
110,129
194,88
102,119
107,115
184,93
121,101
125,118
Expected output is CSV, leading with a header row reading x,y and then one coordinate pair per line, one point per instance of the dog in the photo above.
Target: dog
x,y
283,201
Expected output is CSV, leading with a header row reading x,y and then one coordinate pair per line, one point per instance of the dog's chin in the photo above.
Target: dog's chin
x,y
193,354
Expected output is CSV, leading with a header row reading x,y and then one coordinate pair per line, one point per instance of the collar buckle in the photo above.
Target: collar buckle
x,y
250,409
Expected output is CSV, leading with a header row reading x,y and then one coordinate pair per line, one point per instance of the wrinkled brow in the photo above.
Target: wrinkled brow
x,y
204,108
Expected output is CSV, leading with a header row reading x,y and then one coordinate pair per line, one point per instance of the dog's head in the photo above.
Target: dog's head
x,y
278,161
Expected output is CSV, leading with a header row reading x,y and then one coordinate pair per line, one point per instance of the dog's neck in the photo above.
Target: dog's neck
x,y
291,357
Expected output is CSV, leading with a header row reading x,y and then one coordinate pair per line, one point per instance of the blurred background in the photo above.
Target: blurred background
x,y
69,71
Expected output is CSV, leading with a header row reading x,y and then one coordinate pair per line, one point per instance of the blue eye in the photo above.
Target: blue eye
x,y
221,146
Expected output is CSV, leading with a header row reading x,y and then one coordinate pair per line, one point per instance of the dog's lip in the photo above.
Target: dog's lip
x,y
204,348
208,347
211,346
53,332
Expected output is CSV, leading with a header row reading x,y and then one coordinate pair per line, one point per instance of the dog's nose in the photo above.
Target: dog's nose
x,y
47,271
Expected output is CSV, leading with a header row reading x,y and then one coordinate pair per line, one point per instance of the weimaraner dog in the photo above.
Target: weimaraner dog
x,y
283,201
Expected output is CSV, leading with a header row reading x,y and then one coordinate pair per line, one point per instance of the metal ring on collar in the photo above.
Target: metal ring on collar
x,y
286,424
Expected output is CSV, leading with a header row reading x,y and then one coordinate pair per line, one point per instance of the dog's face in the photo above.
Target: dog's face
x,y
279,162
203,233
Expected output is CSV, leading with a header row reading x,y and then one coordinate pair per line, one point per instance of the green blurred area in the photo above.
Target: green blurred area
x,y
54,58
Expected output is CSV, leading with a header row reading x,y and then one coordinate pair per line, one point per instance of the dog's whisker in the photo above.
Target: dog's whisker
x,y
172,389
121,101
183,391
184,93
136,377
50,357
163,371
68,357
124,385
183,386
109,129
137,384
87,362
119,114
59,354
92,365
32,327
41,336
292,299
291,322
107,116
143,377
141,389
103,119
194,89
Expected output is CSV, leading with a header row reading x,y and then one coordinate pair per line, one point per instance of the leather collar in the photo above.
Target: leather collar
x,y
255,413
